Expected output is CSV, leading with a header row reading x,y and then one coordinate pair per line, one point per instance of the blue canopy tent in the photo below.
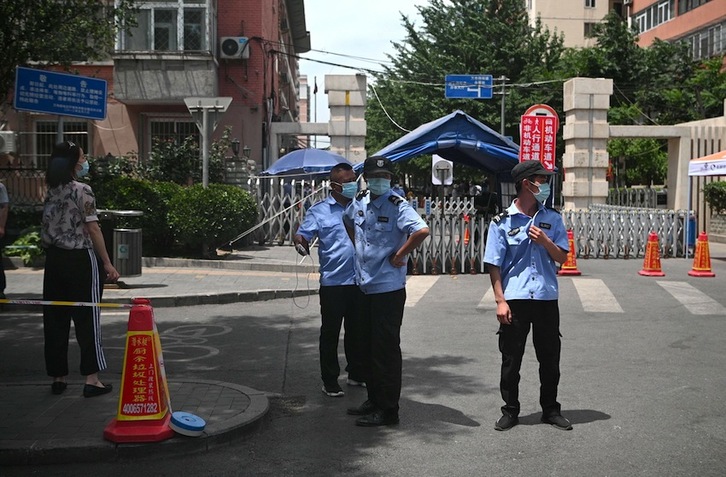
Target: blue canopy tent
x,y
304,163
459,138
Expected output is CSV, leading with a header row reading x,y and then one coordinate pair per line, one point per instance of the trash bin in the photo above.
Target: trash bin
x,y
122,243
127,252
691,231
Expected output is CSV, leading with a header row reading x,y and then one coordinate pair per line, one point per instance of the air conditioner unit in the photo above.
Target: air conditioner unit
x,y
234,47
7,141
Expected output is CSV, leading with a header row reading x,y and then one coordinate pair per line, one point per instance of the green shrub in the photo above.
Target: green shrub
x,y
21,218
27,246
125,193
205,218
715,194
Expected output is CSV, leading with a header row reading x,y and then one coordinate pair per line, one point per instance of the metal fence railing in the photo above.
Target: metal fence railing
x,y
650,198
26,186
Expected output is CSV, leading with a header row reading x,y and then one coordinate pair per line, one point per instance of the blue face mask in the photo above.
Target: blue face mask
x,y
84,170
350,189
379,185
543,194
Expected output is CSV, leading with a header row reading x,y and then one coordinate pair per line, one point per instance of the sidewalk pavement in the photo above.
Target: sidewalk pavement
x,y
256,273
37,427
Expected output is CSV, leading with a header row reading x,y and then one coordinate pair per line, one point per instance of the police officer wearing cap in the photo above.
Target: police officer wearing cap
x,y
384,229
524,245
338,290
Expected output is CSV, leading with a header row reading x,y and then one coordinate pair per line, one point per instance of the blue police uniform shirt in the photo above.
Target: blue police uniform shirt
x,y
381,227
335,249
528,272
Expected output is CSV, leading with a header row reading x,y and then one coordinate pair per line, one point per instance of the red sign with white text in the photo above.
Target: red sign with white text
x,y
538,140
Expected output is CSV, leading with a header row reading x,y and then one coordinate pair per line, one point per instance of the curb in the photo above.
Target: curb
x,y
86,449
253,265
171,301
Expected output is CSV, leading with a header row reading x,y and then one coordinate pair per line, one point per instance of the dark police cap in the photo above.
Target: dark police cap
x,y
377,164
526,169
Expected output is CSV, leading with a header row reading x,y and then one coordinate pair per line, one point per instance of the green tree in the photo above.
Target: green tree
x,y
462,36
645,161
181,162
52,32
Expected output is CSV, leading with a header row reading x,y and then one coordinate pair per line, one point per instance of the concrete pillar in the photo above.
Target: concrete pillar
x,y
347,125
586,133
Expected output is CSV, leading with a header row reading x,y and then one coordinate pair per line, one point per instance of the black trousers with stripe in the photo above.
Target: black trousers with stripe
x,y
72,275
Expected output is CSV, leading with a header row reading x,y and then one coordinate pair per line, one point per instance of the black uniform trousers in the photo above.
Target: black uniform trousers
x,y
339,305
381,319
544,318
72,275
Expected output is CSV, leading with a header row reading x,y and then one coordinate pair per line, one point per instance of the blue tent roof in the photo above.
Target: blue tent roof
x,y
459,138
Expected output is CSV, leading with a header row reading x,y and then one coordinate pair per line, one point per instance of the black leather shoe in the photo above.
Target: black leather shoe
x,y
58,387
506,422
558,421
89,390
378,418
362,410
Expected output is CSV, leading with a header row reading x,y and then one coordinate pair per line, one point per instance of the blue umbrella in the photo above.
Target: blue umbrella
x,y
304,162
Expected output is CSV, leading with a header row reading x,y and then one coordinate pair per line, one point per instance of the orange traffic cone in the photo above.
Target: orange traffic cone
x,y
651,262
144,409
466,229
570,265
702,258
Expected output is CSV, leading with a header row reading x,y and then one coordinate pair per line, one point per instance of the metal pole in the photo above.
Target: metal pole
x,y
503,79
205,149
59,130
315,109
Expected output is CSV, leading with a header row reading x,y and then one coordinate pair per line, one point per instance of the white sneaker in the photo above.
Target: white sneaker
x,y
353,382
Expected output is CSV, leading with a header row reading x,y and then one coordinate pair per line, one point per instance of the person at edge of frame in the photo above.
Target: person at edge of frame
x,y
523,245
76,266
384,229
338,290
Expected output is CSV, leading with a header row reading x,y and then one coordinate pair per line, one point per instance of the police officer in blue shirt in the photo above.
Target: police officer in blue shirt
x,y
338,290
523,244
384,229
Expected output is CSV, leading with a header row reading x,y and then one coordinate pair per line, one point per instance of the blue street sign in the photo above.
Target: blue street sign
x,y
469,86
60,93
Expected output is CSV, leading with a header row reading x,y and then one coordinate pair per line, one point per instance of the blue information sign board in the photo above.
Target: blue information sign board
x,y
60,93
469,86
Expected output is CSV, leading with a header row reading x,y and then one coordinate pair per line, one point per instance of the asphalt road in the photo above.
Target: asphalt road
x,y
642,382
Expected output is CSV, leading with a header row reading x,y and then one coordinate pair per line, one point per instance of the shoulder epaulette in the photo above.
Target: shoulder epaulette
x,y
498,218
361,194
395,199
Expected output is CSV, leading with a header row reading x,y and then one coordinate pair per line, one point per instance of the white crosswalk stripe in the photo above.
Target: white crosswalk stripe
x,y
487,302
595,296
417,286
693,299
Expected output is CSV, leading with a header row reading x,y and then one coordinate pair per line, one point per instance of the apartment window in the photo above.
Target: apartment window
x,y
164,129
46,136
589,29
169,25
654,15
589,3
708,42
688,5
